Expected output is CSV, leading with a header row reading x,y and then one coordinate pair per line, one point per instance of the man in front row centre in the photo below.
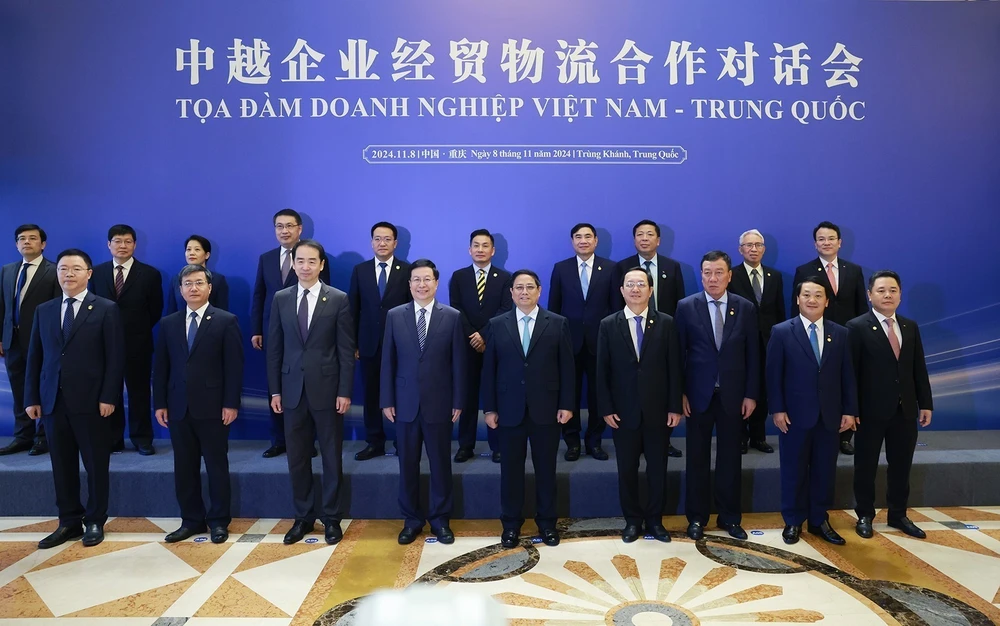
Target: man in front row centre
x,y
197,382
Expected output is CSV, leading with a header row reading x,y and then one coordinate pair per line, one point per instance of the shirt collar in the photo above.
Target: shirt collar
x,y
806,322
35,263
127,264
835,261
476,268
724,299
80,297
589,262
533,314
200,311
388,262
314,290
631,316
750,268
881,318
430,305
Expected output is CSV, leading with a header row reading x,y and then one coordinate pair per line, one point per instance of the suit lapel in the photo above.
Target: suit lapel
x,y
85,308
769,286
134,275
43,268
828,341
536,332
730,321
574,278
704,317
435,328
802,335
651,328
622,322
396,277
742,281
493,285
512,327
324,296
411,323
202,329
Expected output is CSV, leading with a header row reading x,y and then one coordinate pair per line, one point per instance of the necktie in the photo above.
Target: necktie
x,y
525,337
584,279
481,284
720,324
649,270
638,335
68,318
893,340
22,278
422,329
381,279
755,283
119,281
192,330
286,265
831,277
814,341
304,316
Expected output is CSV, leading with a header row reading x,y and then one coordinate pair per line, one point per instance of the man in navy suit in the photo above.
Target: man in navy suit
x,y
813,393
310,374
26,284
581,292
422,392
377,286
274,273
197,251
479,292
76,363
528,384
894,395
137,289
845,288
197,383
720,350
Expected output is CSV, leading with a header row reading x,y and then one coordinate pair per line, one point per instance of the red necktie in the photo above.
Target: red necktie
x,y
893,341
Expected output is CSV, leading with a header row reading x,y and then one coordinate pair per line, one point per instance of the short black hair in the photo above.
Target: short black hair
x,y
577,227
76,252
810,279
825,224
715,255
288,213
425,263
311,243
884,274
526,272
482,232
205,244
120,230
390,226
23,228
649,277
187,270
646,223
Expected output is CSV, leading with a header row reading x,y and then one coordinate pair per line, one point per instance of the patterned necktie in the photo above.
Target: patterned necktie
x,y
638,336
525,336
286,265
755,283
304,316
584,279
649,270
192,330
22,278
832,278
814,341
119,281
720,324
68,318
481,284
382,279
893,340
422,329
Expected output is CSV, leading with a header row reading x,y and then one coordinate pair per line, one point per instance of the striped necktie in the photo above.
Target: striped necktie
x,y
481,284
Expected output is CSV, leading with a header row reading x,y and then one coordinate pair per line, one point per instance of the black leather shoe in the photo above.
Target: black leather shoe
x,y
408,535
38,449
791,534
695,531
93,535
598,453
60,536
673,452
220,534
145,449
370,452
846,448
509,539
827,532
572,453
273,451
14,447
550,537
744,448
630,533
183,533
297,532
735,531
659,532
762,446
333,533
904,524
496,457
864,527
444,535
463,455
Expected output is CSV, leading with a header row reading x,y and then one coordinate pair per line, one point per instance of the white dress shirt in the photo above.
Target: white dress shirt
x,y
630,317
76,305
760,274
197,320
427,315
819,331
712,310
310,302
388,268
590,267
885,327
126,267
31,270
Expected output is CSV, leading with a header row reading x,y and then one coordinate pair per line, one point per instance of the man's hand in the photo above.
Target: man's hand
x,y
748,407
673,419
685,405
563,416
276,404
34,411
390,413
357,355
847,423
925,417
228,416
343,404
162,418
455,414
105,409
257,341
491,419
782,422
477,343
612,420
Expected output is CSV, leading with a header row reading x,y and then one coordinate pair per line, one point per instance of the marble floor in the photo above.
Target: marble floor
x,y
134,579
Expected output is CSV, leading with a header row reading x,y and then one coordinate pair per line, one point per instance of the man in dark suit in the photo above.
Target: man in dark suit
x,y
845,288
197,250
719,341
197,383
668,282
310,374
763,287
813,393
894,394
422,392
377,286
479,292
274,273
581,292
26,284
639,395
76,361
528,384
137,288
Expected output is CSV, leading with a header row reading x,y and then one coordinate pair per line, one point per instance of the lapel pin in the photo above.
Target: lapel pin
x,y
732,312
819,269
494,274
324,298
829,339
90,308
768,273
397,267
598,268
874,327
663,275
208,317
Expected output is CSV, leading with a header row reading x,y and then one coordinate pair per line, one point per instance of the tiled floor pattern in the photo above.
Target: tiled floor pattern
x,y
134,579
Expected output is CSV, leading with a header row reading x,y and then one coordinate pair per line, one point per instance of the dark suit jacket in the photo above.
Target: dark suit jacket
x,y
736,366
771,309
669,283
884,382
323,364
850,300
88,367
803,390
267,283
205,379
432,382
219,297
368,309
566,299
541,383
631,387
43,288
141,302
463,296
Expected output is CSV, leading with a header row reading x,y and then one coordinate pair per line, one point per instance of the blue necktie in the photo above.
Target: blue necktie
x,y
381,280
422,329
720,324
525,337
814,341
192,330
22,278
68,318
584,279
638,335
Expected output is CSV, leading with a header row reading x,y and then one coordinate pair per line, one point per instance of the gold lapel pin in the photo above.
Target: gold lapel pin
x,y
494,274
598,268
829,339
208,317
663,275
90,308
768,273
732,312
324,298
397,267
651,322
819,269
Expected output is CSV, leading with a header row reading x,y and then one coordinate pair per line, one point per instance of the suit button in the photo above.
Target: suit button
x,y
522,382
526,365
